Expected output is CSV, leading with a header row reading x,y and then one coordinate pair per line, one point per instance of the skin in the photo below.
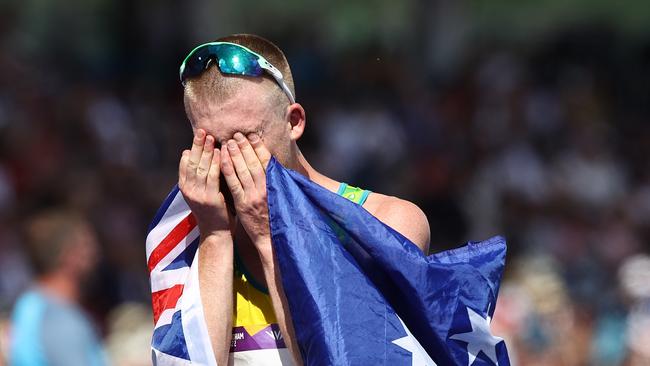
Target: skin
x,y
249,134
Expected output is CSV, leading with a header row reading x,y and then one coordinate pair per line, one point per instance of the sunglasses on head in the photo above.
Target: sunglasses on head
x,y
231,58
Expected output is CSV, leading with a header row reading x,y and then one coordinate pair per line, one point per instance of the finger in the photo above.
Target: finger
x,y
241,168
230,176
206,159
252,161
185,157
195,153
212,184
263,154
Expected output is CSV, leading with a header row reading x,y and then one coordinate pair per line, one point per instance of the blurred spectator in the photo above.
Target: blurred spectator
x,y
634,278
49,327
129,335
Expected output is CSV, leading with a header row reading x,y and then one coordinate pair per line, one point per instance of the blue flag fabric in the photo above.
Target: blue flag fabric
x,y
360,293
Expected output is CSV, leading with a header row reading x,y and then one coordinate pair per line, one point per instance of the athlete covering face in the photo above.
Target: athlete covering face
x,y
240,99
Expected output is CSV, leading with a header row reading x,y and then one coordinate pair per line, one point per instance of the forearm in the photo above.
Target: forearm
x,y
243,166
279,300
215,284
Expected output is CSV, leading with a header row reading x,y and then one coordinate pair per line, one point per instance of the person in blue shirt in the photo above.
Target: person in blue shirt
x,y
48,325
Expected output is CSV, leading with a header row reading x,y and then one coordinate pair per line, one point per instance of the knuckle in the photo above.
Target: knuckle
x,y
256,199
237,189
227,171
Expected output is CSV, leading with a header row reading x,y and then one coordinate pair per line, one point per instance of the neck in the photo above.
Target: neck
x,y
61,285
303,167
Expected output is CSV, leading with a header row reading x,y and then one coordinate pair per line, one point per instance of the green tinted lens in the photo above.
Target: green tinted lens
x,y
196,63
236,60
232,59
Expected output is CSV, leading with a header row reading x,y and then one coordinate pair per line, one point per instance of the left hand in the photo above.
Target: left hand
x,y
243,165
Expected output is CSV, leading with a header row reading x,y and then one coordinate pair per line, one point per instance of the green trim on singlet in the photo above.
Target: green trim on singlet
x,y
241,269
354,194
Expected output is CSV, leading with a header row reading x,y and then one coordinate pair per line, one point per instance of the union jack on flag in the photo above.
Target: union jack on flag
x,y
180,335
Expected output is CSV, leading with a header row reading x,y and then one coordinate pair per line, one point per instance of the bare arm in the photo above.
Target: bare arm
x,y
243,164
215,284
280,305
407,219
199,182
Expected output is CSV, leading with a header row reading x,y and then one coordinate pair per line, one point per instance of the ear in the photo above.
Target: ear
x,y
295,116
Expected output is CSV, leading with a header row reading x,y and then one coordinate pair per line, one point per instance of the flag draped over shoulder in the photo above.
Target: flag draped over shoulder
x,y
359,293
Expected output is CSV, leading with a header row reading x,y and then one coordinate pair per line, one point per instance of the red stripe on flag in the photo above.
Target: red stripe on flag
x,y
165,299
171,240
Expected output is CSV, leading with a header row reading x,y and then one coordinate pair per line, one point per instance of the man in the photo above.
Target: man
x,y
49,327
240,119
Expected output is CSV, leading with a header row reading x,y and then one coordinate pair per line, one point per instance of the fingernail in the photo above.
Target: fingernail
x,y
253,137
239,136
200,133
232,145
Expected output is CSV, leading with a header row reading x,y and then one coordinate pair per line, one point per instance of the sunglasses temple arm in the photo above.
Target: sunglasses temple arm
x,y
277,75
286,90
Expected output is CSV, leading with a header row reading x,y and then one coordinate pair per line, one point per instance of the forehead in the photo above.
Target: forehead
x,y
245,112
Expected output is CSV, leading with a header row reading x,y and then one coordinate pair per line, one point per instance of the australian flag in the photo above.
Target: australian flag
x,y
360,293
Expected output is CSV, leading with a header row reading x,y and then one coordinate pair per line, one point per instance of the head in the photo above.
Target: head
x,y
61,242
223,104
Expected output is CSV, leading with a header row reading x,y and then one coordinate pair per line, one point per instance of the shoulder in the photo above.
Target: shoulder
x,y
66,319
65,326
403,216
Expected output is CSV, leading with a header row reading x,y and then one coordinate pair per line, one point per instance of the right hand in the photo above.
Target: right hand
x,y
198,181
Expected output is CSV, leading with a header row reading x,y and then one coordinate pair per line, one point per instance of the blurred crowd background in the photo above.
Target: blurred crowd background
x,y
526,119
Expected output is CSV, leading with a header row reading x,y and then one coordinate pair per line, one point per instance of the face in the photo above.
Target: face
x,y
82,255
248,111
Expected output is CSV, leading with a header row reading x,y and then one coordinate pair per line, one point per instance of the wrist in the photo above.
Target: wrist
x,y
265,251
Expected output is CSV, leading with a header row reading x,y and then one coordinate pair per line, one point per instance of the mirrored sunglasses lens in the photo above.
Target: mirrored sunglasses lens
x,y
197,63
234,60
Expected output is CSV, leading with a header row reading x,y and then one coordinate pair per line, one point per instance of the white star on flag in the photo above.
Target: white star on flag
x,y
480,338
411,344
